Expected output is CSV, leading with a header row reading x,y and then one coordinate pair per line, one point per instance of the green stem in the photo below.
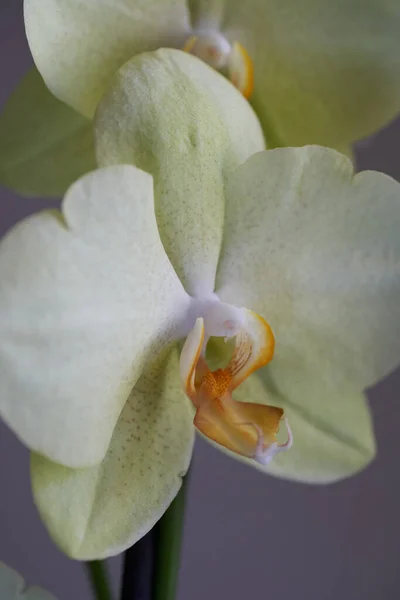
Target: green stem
x,y
168,533
97,573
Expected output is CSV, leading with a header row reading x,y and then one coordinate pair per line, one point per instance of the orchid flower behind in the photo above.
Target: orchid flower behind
x,y
94,318
323,72
12,587
315,72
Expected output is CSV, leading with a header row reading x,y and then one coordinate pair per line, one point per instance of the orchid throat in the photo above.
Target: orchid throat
x,y
245,428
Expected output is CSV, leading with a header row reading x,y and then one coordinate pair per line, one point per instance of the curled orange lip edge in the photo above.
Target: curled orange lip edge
x,y
243,77
246,87
246,428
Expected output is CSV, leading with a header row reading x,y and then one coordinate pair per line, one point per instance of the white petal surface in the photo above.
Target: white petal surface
x,y
12,587
101,511
85,296
78,45
173,116
316,251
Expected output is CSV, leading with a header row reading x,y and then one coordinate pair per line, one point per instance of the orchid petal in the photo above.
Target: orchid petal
x,y
87,296
77,46
316,251
98,512
324,72
176,118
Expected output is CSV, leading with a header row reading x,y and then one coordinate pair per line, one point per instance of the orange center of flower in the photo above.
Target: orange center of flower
x,y
245,428
214,384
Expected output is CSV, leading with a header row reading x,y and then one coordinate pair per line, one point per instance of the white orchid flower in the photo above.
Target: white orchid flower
x,y
110,313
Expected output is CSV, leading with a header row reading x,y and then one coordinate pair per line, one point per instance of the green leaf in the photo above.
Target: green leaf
x,y
44,145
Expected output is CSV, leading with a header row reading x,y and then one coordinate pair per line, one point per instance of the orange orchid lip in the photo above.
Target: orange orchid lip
x,y
216,51
246,428
241,70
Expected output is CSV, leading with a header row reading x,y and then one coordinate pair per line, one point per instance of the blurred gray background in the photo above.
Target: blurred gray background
x,y
246,535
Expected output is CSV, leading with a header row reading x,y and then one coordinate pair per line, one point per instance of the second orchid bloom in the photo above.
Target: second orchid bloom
x,y
317,73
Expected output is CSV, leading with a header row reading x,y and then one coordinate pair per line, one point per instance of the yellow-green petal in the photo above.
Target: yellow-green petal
x,y
13,587
44,145
86,297
176,118
77,46
101,511
333,436
325,72
315,249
